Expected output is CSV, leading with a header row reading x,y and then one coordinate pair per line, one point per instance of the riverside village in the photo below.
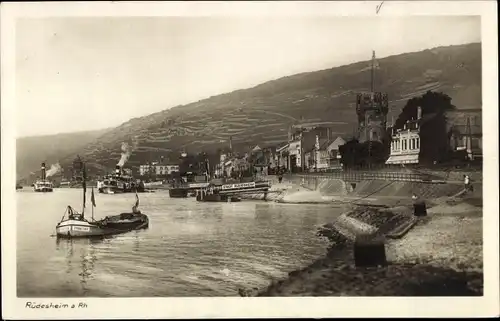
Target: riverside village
x,y
355,187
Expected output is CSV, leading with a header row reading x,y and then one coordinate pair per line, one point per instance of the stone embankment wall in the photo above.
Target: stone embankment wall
x,y
324,189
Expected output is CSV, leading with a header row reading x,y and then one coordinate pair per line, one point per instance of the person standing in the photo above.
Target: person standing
x,y
467,185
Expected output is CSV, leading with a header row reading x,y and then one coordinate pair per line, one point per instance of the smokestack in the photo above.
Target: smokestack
x,y
43,170
419,112
118,170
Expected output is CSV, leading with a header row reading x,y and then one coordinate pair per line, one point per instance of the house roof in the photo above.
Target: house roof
x,y
282,146
324,143
341,140
256,148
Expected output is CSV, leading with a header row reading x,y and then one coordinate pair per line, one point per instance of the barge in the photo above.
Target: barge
x,y
230,192
76,225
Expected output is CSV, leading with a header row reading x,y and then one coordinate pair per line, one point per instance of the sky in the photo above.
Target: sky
x,y
85,73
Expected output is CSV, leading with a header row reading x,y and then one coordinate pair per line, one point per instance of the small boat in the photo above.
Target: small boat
x,y
75,225
65,184
19,186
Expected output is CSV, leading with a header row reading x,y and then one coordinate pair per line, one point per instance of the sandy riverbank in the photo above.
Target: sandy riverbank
x,y
441,255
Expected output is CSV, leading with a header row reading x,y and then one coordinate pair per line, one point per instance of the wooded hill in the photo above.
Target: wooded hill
x,y
262,114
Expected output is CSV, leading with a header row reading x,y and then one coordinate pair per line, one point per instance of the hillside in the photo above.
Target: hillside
x,y
31,151
261,115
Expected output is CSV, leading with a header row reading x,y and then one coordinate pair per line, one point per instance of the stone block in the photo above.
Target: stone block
x,y
419,209
369,251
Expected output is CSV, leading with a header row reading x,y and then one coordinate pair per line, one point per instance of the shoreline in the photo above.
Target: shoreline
x,y
440,255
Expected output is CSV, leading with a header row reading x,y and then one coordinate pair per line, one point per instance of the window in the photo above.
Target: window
x,y
417,142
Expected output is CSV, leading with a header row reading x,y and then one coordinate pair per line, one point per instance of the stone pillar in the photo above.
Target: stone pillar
x,y
419,208
369,251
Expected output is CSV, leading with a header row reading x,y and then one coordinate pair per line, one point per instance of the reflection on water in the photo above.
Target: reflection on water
x,y
85,257
190,248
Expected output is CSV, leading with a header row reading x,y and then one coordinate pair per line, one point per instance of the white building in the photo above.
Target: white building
x,y
282,155
295,153
162,169
405,145
144,169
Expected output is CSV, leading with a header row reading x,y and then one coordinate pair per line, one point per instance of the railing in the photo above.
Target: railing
x,y
362,175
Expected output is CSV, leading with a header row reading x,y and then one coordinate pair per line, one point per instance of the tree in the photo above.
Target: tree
x,y
434,136
349,153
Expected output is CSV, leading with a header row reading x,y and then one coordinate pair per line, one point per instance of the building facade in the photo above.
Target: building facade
x,y
467,134
157,169
405,145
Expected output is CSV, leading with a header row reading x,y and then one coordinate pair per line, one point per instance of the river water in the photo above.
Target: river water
x,y
190,248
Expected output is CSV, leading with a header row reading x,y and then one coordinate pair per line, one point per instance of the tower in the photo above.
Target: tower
x,y
372,109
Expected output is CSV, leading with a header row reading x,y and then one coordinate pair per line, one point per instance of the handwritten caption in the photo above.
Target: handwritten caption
x,y
51,305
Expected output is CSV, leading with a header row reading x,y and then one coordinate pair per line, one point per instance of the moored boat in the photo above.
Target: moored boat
x,y
210,196
75,225
229,192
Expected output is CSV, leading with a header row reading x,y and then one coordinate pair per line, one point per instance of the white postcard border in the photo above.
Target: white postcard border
x,y
101,308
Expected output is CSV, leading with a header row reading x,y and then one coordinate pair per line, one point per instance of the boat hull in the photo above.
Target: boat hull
x,y
178,192
109,190
111,225
71,229
44,190
201,197
126,221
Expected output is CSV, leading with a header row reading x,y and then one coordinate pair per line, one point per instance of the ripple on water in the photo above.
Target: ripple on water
x,y
190,249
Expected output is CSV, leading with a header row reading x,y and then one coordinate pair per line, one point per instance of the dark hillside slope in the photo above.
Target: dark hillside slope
x,y
31,151
261,115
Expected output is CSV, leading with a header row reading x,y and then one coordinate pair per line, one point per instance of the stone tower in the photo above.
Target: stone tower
x,y
372,108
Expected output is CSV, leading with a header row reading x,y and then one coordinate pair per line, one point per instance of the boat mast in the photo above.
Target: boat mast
x,y
372,89
84,185
92,200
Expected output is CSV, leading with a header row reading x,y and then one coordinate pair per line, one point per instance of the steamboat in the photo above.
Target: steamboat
x,y
43,185
121,181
